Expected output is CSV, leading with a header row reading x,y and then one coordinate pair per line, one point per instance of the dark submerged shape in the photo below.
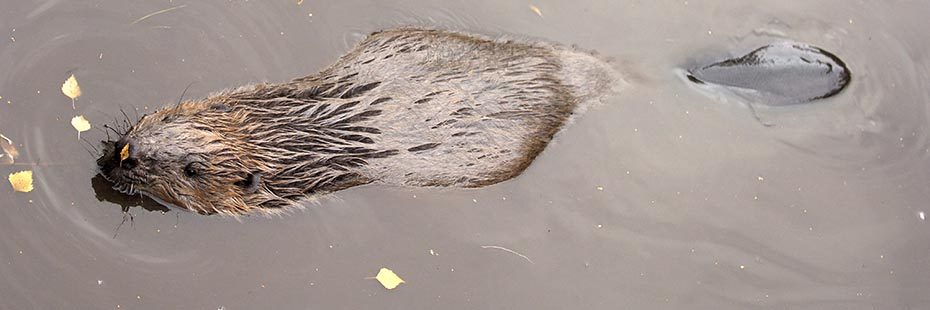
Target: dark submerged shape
x,y
405,107
778,74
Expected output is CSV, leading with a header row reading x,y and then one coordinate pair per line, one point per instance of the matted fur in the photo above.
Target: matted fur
x,y
407,107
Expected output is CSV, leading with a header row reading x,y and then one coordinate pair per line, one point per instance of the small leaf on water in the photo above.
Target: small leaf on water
x,y
8,152
388,278
71,89
80,124
21,181
123,153
536,10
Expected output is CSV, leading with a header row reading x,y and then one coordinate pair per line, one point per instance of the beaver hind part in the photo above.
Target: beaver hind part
x,y
778,74
406,107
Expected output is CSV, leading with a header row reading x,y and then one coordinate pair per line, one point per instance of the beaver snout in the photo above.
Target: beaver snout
x,y
120,164
119,154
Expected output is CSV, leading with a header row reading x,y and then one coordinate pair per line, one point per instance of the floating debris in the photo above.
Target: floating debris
x,y
536,10
388,278
80,124
8,151
123,154
71,89
507,250
21,181
156,13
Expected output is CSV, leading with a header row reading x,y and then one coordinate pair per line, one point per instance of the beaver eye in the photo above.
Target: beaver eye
x,y
190,171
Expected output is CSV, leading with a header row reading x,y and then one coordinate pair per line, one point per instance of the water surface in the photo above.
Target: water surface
x,y
662,198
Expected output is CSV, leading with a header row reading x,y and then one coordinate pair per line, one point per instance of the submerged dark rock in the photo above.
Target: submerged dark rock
x,y
778,74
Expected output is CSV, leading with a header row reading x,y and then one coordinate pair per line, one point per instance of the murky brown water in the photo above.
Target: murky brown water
x,y
663,198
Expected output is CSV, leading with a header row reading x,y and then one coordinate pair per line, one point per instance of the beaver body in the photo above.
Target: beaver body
x,y
405,107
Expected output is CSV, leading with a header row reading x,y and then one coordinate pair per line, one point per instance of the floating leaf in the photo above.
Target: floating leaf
x,y
9,152
123,153
21,181
536,10
71,89
388,278
80,124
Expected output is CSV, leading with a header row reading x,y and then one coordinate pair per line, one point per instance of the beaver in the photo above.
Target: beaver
x,y
407,106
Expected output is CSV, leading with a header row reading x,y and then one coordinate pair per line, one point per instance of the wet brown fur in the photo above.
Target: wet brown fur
x,y
406,107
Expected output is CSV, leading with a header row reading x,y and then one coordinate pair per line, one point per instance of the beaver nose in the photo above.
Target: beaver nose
x,y
129,163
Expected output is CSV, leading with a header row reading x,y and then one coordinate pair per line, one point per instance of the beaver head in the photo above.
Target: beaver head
x,y
231,154
182,158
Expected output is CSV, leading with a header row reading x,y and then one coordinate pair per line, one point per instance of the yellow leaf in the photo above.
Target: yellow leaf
x,y
80,123
536,10
123,153
388,278
21,181
71,89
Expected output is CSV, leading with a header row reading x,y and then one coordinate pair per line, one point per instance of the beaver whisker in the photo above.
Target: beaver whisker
x,y
84,139
135,113
135,177
126,119
117,126
122,126
108,178
126,188
122,188
181,98
85,144
115,131
100,129
108,129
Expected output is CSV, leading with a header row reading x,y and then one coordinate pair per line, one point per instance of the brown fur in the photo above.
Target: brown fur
x,y
406,107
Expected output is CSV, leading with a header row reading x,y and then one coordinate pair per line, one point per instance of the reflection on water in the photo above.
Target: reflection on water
x,y
104,192
662,198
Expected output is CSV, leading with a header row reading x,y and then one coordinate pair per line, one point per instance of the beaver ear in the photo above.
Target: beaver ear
x,y
250,183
